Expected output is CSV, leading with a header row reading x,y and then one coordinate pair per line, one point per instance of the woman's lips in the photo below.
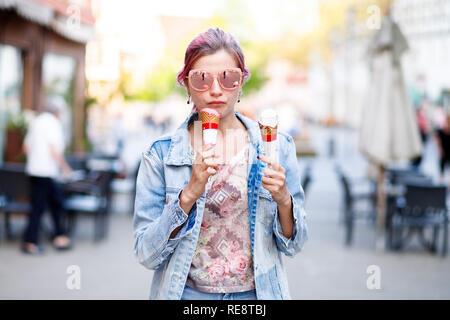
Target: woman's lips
x,y
216,102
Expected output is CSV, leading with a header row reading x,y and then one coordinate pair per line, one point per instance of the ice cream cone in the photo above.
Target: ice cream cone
x,y
268,124
210,125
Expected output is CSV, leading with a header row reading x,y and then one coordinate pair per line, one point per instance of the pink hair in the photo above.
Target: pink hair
x,y
209,42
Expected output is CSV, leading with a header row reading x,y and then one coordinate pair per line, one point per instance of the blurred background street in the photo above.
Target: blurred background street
x,y
361,86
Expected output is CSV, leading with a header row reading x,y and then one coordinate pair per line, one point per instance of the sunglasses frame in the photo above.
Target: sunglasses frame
x,y
215,76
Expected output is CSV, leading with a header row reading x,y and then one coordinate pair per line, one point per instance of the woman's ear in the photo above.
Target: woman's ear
x,y
186,84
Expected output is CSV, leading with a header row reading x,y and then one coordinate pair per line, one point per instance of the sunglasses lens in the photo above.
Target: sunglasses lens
x,y
230,79
201,80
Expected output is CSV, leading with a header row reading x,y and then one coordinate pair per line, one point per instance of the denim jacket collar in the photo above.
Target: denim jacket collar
x,y
179,150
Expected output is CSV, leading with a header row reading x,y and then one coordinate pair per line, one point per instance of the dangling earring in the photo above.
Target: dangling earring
x,y
189,100
239,98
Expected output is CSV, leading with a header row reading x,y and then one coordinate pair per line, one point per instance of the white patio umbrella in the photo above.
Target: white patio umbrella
x,y
389,129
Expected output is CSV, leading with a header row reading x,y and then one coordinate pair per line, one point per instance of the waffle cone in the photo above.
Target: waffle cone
x,y
266,130
207,116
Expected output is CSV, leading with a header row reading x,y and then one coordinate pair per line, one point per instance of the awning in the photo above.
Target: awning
x,y
80,33
46,16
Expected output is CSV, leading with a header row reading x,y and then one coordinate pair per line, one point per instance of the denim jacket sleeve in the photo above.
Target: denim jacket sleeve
x,y
294,244
155,217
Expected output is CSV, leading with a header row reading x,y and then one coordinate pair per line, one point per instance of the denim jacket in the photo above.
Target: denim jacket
x,y
165,170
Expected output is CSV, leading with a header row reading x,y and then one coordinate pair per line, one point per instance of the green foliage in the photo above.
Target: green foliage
x,y
88,101
16,122
55,89
159,85
257,55
256,80
124,87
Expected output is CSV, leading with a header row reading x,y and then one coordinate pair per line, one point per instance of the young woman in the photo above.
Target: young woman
x,y
212,220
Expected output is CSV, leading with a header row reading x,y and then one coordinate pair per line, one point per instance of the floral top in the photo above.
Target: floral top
x,y
222,261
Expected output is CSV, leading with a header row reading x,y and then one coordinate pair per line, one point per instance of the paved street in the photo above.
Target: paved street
x,y
325,269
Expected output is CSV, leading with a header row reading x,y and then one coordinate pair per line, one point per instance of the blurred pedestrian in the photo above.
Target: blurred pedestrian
x,y
211,222
443,143
118,134
418,92
424,127
44,146
419,98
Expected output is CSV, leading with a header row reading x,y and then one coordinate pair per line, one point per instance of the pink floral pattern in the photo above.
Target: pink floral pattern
x,y
222,261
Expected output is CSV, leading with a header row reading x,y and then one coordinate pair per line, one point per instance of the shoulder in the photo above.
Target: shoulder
x,y
286,143
39,120
285,137
46,117
44,124
247,120
49,120
158,146
287,147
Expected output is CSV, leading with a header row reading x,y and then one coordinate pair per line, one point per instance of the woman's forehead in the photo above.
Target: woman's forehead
x,y
216,62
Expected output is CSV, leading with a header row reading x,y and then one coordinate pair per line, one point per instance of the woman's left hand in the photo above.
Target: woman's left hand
x,y
274,180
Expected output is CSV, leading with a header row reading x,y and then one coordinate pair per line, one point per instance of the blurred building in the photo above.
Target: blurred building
x,y
42,52
342,84
133,45
426,24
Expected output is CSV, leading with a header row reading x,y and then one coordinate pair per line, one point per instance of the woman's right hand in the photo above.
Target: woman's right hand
x,y
204,166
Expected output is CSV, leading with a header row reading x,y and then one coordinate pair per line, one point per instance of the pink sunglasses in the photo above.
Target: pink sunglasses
x,y
229,79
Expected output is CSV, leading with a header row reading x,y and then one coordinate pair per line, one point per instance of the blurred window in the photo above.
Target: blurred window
x,y
58,77
11,77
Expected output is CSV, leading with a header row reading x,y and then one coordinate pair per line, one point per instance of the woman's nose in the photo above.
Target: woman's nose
x,y
215,89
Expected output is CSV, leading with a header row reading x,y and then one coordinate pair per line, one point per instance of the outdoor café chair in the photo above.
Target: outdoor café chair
x,y
352,201
422,206
396,176
92,197
77,161
397,187
14,193
397,191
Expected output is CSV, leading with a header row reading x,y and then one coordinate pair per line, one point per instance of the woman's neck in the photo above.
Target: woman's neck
x,y
229,123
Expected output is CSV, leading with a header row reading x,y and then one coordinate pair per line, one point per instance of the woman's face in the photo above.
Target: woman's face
x,y
215,97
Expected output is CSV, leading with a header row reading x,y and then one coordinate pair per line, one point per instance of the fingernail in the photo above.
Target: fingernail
x,y
258,157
